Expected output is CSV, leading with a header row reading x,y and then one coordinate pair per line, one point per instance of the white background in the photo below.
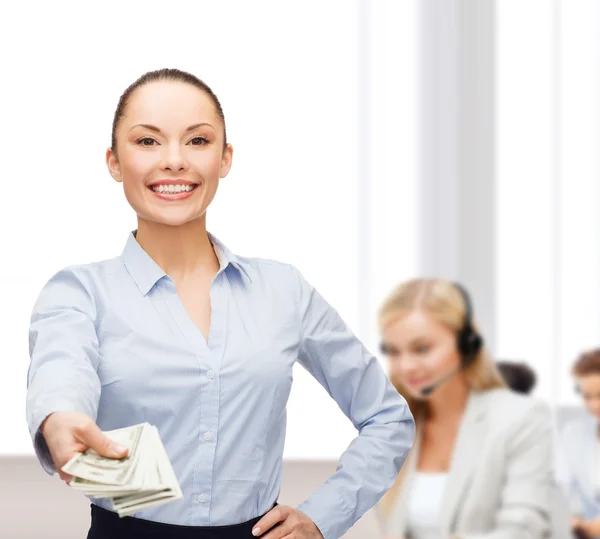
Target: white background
x,y
548,189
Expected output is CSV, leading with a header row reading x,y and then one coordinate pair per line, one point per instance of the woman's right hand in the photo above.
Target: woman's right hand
x,y
67,433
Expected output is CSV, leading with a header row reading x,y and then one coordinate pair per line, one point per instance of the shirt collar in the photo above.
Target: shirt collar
x,y
226,257
146,272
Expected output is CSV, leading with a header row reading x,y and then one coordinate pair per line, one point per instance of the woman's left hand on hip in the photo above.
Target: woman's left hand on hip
x,y
285,521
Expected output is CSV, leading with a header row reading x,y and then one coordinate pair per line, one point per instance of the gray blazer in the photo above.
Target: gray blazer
x,y
579,445
501,482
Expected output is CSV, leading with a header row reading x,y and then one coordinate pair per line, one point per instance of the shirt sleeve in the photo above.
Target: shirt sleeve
x,y
352,376
63,349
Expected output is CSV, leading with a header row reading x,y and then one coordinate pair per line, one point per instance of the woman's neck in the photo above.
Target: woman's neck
x,y
181,251
450,400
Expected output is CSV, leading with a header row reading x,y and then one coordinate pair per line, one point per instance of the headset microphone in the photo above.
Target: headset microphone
x,y
428,390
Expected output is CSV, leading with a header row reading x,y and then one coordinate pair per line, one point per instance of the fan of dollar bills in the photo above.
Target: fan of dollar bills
x,y
142,479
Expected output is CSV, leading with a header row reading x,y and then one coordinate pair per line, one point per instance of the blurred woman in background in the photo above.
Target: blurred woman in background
x,y
580,448
483,460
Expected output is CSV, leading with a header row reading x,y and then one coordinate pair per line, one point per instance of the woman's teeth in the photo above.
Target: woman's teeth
x,y
172,188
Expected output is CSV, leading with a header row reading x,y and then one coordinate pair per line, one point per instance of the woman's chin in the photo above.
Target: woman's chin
x,y
173,219
415,393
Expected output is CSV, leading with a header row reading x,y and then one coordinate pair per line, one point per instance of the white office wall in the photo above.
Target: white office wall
x,y
457,173
578,211
389,224
548,189
312,182
525,186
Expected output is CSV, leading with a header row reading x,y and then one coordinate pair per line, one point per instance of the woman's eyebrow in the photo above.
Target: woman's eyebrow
x,y
157,129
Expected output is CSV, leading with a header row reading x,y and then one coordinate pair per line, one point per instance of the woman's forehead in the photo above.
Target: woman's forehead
x,y
415,324
170,101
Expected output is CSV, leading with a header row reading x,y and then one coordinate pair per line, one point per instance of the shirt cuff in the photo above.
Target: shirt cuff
x,y
328,511
43,453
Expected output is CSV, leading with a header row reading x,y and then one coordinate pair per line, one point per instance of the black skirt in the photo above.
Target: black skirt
x,y
107,525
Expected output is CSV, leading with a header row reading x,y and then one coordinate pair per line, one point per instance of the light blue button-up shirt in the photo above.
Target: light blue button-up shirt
x,y
113,340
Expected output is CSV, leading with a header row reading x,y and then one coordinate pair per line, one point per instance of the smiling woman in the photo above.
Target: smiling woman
x,y
180,332
155,149
482,461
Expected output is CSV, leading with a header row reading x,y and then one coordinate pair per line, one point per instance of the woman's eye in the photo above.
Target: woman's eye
x,y
422,349
198,141
146,141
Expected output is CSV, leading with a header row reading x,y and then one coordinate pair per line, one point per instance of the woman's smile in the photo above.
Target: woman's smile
x,y
173,189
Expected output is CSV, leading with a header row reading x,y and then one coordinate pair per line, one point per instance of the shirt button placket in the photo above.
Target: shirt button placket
x,y
209,411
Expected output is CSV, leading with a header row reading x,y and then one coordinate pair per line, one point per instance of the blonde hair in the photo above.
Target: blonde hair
x,y
445,304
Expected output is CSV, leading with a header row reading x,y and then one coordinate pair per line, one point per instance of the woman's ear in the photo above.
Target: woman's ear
x,y
226,160
113,165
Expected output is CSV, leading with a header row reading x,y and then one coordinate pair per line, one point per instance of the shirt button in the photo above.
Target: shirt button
x,y
210,374
207,436
202,498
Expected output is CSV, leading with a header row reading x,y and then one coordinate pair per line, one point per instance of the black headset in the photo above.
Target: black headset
x,y
468,341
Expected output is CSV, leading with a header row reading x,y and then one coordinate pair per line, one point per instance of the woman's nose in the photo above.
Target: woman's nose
x,y
173,159
406,367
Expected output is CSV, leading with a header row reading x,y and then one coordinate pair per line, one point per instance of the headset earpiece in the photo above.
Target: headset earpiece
x,y
469,341
470,344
